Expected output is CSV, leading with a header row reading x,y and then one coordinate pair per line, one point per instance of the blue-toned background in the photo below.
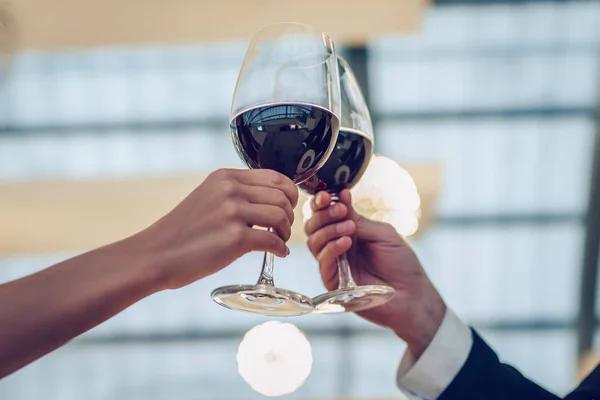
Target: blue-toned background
x,y
502,96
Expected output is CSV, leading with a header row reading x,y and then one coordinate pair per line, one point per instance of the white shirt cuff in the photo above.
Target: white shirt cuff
x,y
427,377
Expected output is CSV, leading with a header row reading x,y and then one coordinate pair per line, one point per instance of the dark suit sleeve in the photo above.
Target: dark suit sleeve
x,y
484,377
589,388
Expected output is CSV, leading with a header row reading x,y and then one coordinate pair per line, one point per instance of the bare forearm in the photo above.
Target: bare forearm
x,y
43,311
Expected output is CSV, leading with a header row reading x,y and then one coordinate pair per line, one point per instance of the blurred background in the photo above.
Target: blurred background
x,y
108,119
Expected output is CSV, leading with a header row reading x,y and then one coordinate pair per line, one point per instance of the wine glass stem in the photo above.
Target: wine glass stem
x,y
266,272
344,274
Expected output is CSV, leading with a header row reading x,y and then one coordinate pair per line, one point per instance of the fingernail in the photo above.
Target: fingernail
x,y
287,251
345,227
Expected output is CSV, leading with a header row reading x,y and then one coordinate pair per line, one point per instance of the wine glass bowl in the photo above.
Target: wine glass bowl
x,y
343,169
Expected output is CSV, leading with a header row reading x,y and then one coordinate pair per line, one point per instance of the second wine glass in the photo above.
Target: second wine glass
x,y
285,117
343,170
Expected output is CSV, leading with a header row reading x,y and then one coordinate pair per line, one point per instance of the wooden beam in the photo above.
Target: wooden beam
x,y
38,217
43,24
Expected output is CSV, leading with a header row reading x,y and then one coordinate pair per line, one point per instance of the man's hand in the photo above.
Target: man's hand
x,y
213,226
378,256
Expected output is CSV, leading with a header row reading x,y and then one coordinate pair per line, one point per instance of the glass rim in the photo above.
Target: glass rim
x,y
327,40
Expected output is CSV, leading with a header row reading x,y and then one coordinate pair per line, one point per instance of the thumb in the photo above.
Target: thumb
x,y
371,231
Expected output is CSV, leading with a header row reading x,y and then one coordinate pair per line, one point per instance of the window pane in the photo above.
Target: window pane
x,y
500,165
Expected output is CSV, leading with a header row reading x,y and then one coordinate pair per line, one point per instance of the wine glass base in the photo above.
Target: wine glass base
x,y
263,299
353,299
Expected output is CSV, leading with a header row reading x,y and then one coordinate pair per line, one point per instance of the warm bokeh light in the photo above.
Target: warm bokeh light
x,y
385,193
274,358
306,210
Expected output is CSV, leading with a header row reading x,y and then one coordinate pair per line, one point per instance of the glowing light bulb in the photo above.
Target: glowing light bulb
x,y
274,358
388,193
405,223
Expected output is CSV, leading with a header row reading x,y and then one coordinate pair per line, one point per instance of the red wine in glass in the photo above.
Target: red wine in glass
x,y
345,166
291,138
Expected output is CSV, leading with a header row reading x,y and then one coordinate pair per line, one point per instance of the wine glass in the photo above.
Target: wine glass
x,y
343,170
285,117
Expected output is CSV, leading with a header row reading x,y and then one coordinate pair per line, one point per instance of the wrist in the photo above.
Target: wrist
x,y
165,265
143,265
424,325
